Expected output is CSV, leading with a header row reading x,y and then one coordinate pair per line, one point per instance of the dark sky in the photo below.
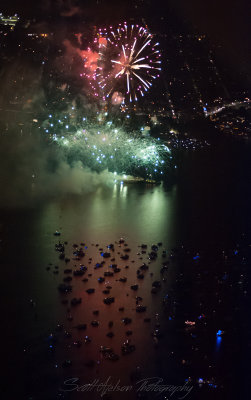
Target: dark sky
x,y
224,21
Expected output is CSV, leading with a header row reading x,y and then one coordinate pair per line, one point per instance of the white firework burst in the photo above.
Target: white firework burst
x,y
129,60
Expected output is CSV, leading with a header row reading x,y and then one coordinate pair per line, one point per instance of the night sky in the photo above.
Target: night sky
x,y
226,22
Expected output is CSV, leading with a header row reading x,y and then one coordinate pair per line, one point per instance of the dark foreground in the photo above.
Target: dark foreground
x,y
184,330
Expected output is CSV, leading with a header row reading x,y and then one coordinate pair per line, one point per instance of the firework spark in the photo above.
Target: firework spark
x,y
128,62
101,146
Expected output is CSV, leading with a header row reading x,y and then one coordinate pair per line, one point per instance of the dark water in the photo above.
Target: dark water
x,y
206,211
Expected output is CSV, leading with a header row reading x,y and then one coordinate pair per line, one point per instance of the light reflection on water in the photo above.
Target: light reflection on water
x,y
141,214
137,212
202,209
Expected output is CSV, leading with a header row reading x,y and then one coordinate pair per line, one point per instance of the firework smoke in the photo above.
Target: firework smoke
x,y
31,171
100,145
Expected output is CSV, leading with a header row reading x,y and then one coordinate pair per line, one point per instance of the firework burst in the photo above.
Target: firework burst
x,y
103,146
128,62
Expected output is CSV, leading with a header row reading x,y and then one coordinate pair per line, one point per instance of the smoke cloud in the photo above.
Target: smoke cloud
x,y
71,12
89,57
32,171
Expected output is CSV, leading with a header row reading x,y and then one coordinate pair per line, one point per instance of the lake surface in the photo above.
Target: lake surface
x,y
205,213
